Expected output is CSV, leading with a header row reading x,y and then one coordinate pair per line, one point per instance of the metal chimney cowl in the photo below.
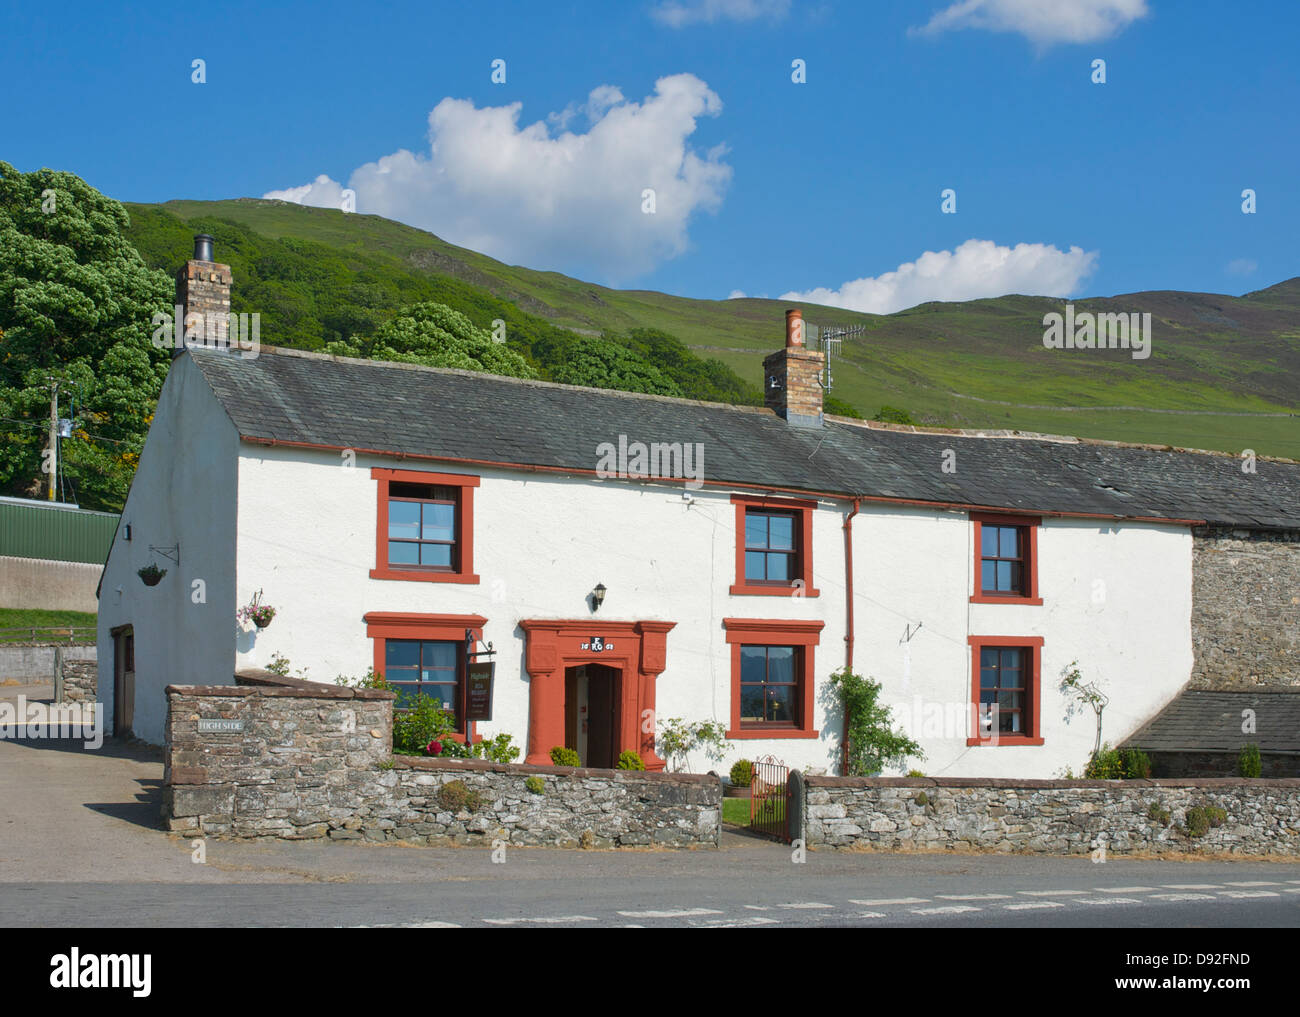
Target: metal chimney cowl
x,y
202,247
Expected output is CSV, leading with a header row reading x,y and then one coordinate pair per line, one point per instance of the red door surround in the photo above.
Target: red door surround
x,y
637,649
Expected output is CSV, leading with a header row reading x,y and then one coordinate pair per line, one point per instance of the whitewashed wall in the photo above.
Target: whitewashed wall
x,y
306,537
183,492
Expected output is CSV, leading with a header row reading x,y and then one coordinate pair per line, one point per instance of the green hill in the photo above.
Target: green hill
x,y
1224,372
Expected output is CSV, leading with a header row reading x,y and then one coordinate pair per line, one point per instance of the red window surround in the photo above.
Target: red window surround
x,y
770,632
384,625
1033,712
464,572
1029,525
804,511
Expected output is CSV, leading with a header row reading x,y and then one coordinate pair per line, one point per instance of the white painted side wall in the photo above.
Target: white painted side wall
x,y
306,538
183,492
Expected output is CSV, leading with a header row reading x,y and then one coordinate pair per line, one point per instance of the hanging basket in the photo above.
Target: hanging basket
x,y
151,575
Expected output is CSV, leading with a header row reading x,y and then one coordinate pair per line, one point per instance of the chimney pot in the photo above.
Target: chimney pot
x,y
794,327
202,247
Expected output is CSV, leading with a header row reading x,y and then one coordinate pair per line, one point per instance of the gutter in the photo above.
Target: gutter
x,y
848,623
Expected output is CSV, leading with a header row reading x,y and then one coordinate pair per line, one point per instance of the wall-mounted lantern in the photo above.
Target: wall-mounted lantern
x,y
597,596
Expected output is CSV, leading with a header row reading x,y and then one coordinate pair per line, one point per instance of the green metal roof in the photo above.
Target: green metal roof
x,y
55,531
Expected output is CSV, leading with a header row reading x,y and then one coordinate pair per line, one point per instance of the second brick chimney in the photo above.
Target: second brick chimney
x,y
792,377
203,287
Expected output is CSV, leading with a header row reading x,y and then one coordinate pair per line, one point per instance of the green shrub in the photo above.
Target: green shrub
x,y
452,749
536,785
500,749
562,756
1107,764
629,760
1135,763
1200,818
922,798
915,773
424,722
873,744
1157,814
455,796
1248,763
742,773
371,680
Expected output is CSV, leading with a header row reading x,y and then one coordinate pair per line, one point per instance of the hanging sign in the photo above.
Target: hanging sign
x,y
478,689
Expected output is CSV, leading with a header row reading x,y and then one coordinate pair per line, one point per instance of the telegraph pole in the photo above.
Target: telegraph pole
x,y
54,434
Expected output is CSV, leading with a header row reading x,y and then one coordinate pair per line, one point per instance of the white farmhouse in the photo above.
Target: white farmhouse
x,y
388,512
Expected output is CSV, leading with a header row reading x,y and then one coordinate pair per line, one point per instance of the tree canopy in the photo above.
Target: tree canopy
x,y
76,303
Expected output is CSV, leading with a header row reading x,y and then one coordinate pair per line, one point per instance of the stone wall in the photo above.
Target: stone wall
x,y
1051,817
77,681
34,663
49,585
314,761
1221,764
1245,607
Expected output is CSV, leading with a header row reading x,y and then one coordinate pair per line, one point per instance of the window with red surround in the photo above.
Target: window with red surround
x,y
1006,559
425,529
1005,690
772,677
773,547
424,654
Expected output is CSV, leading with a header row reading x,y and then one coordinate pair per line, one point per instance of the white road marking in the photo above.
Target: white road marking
x,y
757,907
1034,906
872,914
1125,889
1105,900
1257,882
807,906
1292,889
953,910
972,896
735,923
1192,886
885,902
556,920
1243,894
1183,896
1052,893
684,913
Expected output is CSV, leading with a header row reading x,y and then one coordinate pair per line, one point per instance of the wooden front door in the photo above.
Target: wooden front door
x,y
602,716
123,681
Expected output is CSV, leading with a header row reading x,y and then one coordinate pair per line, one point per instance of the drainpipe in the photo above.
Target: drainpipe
x,y
848,622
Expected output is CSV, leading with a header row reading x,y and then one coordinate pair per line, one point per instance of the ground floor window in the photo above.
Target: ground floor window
x,y
1005,690
420,668
772,687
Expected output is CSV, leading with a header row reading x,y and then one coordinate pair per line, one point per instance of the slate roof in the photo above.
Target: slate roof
x,y
1201,720
290,396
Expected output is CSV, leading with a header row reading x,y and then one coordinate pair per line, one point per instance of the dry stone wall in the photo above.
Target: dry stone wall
x,y
311,761
1245,607
1260,817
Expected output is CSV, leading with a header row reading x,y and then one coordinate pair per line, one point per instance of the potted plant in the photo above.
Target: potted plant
x,y
258,613
151,575
742,777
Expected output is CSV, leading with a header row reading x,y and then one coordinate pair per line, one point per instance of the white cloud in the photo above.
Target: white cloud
x,y
977,268
679,13
1241,266
321,192
573,201
1042,23
736,295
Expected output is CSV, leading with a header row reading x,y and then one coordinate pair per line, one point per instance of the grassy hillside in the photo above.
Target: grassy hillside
x,y
1224,373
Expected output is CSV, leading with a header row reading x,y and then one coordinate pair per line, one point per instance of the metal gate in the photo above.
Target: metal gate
x,y
769,801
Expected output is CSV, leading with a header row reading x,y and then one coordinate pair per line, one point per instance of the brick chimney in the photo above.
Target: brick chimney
x,y
792,377
203,287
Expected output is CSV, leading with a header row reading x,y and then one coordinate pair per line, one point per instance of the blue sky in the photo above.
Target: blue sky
x,y
829,188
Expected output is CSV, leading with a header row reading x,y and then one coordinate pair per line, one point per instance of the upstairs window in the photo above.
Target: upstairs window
x,y
425,526
773,547
1006,559
422,526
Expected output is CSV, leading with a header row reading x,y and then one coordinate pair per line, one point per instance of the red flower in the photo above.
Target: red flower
x,y
433,749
